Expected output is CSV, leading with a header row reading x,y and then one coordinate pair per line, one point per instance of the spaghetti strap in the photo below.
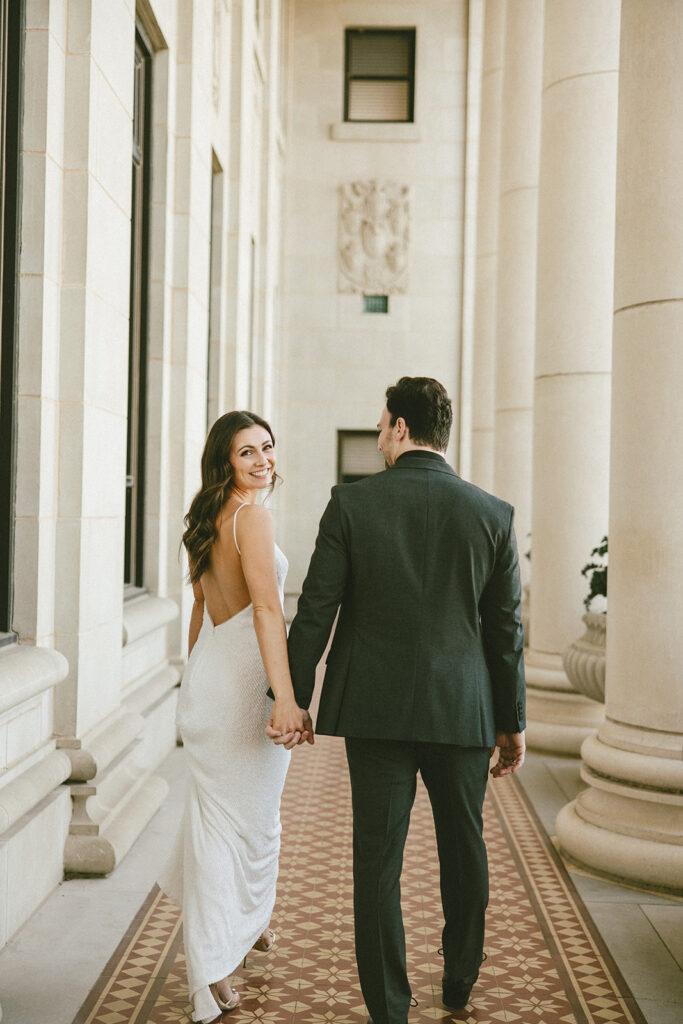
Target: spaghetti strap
x,y
234,526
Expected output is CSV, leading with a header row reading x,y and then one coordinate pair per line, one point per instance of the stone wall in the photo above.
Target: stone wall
x,y
88,689
339,360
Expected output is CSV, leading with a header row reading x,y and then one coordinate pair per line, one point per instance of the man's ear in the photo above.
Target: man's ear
x,y
401,428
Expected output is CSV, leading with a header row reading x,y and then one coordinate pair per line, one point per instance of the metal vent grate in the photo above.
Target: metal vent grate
x,y
375,303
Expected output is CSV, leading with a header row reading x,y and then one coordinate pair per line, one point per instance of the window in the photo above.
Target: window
x,y
213,360
11,62
252,323
379,74
357,455
137,351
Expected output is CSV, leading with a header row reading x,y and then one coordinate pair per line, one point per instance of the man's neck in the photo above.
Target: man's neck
x,y
410,447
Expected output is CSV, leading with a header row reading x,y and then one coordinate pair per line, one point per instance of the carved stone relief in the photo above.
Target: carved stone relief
x,y
374,233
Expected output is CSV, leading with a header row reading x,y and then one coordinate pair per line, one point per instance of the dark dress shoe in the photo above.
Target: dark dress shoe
x,y
456,992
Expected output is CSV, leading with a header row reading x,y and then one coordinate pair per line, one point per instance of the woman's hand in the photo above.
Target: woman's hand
x,y
289,725
286,716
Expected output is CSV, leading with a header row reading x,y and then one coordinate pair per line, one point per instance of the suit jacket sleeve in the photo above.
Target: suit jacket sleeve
x,y
321,595
500,610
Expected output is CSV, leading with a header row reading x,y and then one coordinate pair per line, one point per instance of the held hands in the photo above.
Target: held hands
x,y
511,749
289,725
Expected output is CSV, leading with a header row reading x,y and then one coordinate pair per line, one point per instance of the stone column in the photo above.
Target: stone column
x,y
573,350
517,239
629,822
487,244
190,284
118,689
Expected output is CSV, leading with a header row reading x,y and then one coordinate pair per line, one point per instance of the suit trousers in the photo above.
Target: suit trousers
x,y
383,784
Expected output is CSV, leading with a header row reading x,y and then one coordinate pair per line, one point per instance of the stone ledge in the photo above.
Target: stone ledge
x,y
22,795
31,860
375,131
99,748
147,696
26,671
143,615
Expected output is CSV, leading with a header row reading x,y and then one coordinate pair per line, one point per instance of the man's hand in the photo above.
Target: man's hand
x,y
292,739
511,749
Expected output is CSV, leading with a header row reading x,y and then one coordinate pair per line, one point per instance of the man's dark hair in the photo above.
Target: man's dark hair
x,y
423,403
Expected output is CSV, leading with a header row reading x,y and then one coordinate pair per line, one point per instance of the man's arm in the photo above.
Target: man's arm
x,y
501,621
321,595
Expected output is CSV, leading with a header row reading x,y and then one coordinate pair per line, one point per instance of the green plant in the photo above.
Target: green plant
x,y
596,574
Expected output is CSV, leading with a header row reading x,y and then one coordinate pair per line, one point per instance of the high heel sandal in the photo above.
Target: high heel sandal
x,y
261,945
264,946
232,1004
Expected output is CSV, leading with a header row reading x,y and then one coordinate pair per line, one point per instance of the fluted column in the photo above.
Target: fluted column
x,y
573,350
629,822
483,390
517,241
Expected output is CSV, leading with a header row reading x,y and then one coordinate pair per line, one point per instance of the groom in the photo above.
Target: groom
x,y
425,674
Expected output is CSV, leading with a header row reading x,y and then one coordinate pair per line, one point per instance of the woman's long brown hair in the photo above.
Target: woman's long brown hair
x,y
217,483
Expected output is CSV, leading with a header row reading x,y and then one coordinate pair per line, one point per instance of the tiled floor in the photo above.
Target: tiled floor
x,y
50,967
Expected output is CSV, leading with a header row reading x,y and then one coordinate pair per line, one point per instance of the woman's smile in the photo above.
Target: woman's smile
x,y
253,459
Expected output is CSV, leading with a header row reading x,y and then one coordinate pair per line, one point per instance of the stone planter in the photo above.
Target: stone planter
x,y
584,659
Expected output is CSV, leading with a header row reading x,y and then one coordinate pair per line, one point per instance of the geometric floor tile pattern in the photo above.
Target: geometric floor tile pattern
x,y
546,964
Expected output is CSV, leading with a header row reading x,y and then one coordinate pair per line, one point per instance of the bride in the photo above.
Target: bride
x,y
224,867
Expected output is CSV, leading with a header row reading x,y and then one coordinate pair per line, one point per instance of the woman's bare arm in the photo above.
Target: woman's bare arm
x,y
256,543
196,616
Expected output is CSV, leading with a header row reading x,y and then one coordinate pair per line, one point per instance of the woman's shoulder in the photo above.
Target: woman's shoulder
x,y
231,512
246,520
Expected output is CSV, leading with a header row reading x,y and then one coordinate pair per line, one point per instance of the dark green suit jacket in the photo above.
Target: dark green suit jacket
x,y
429,642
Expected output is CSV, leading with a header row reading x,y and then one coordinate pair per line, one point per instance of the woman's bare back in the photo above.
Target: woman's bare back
x,y
223,584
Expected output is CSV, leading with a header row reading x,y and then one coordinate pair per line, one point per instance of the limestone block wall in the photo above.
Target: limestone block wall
x,y
88,692
34,806
340,360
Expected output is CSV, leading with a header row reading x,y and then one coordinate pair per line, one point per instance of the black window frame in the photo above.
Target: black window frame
x,y
12,35
215,214
349,34
137,336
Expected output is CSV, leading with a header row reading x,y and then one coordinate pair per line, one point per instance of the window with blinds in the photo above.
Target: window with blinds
x,y
357,455
379,74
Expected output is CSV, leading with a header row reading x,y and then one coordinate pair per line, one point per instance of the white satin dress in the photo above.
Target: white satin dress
x,y
224,866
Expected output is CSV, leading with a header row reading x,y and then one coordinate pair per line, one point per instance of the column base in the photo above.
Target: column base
x,y
558,718
111,809
628,824
100,853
